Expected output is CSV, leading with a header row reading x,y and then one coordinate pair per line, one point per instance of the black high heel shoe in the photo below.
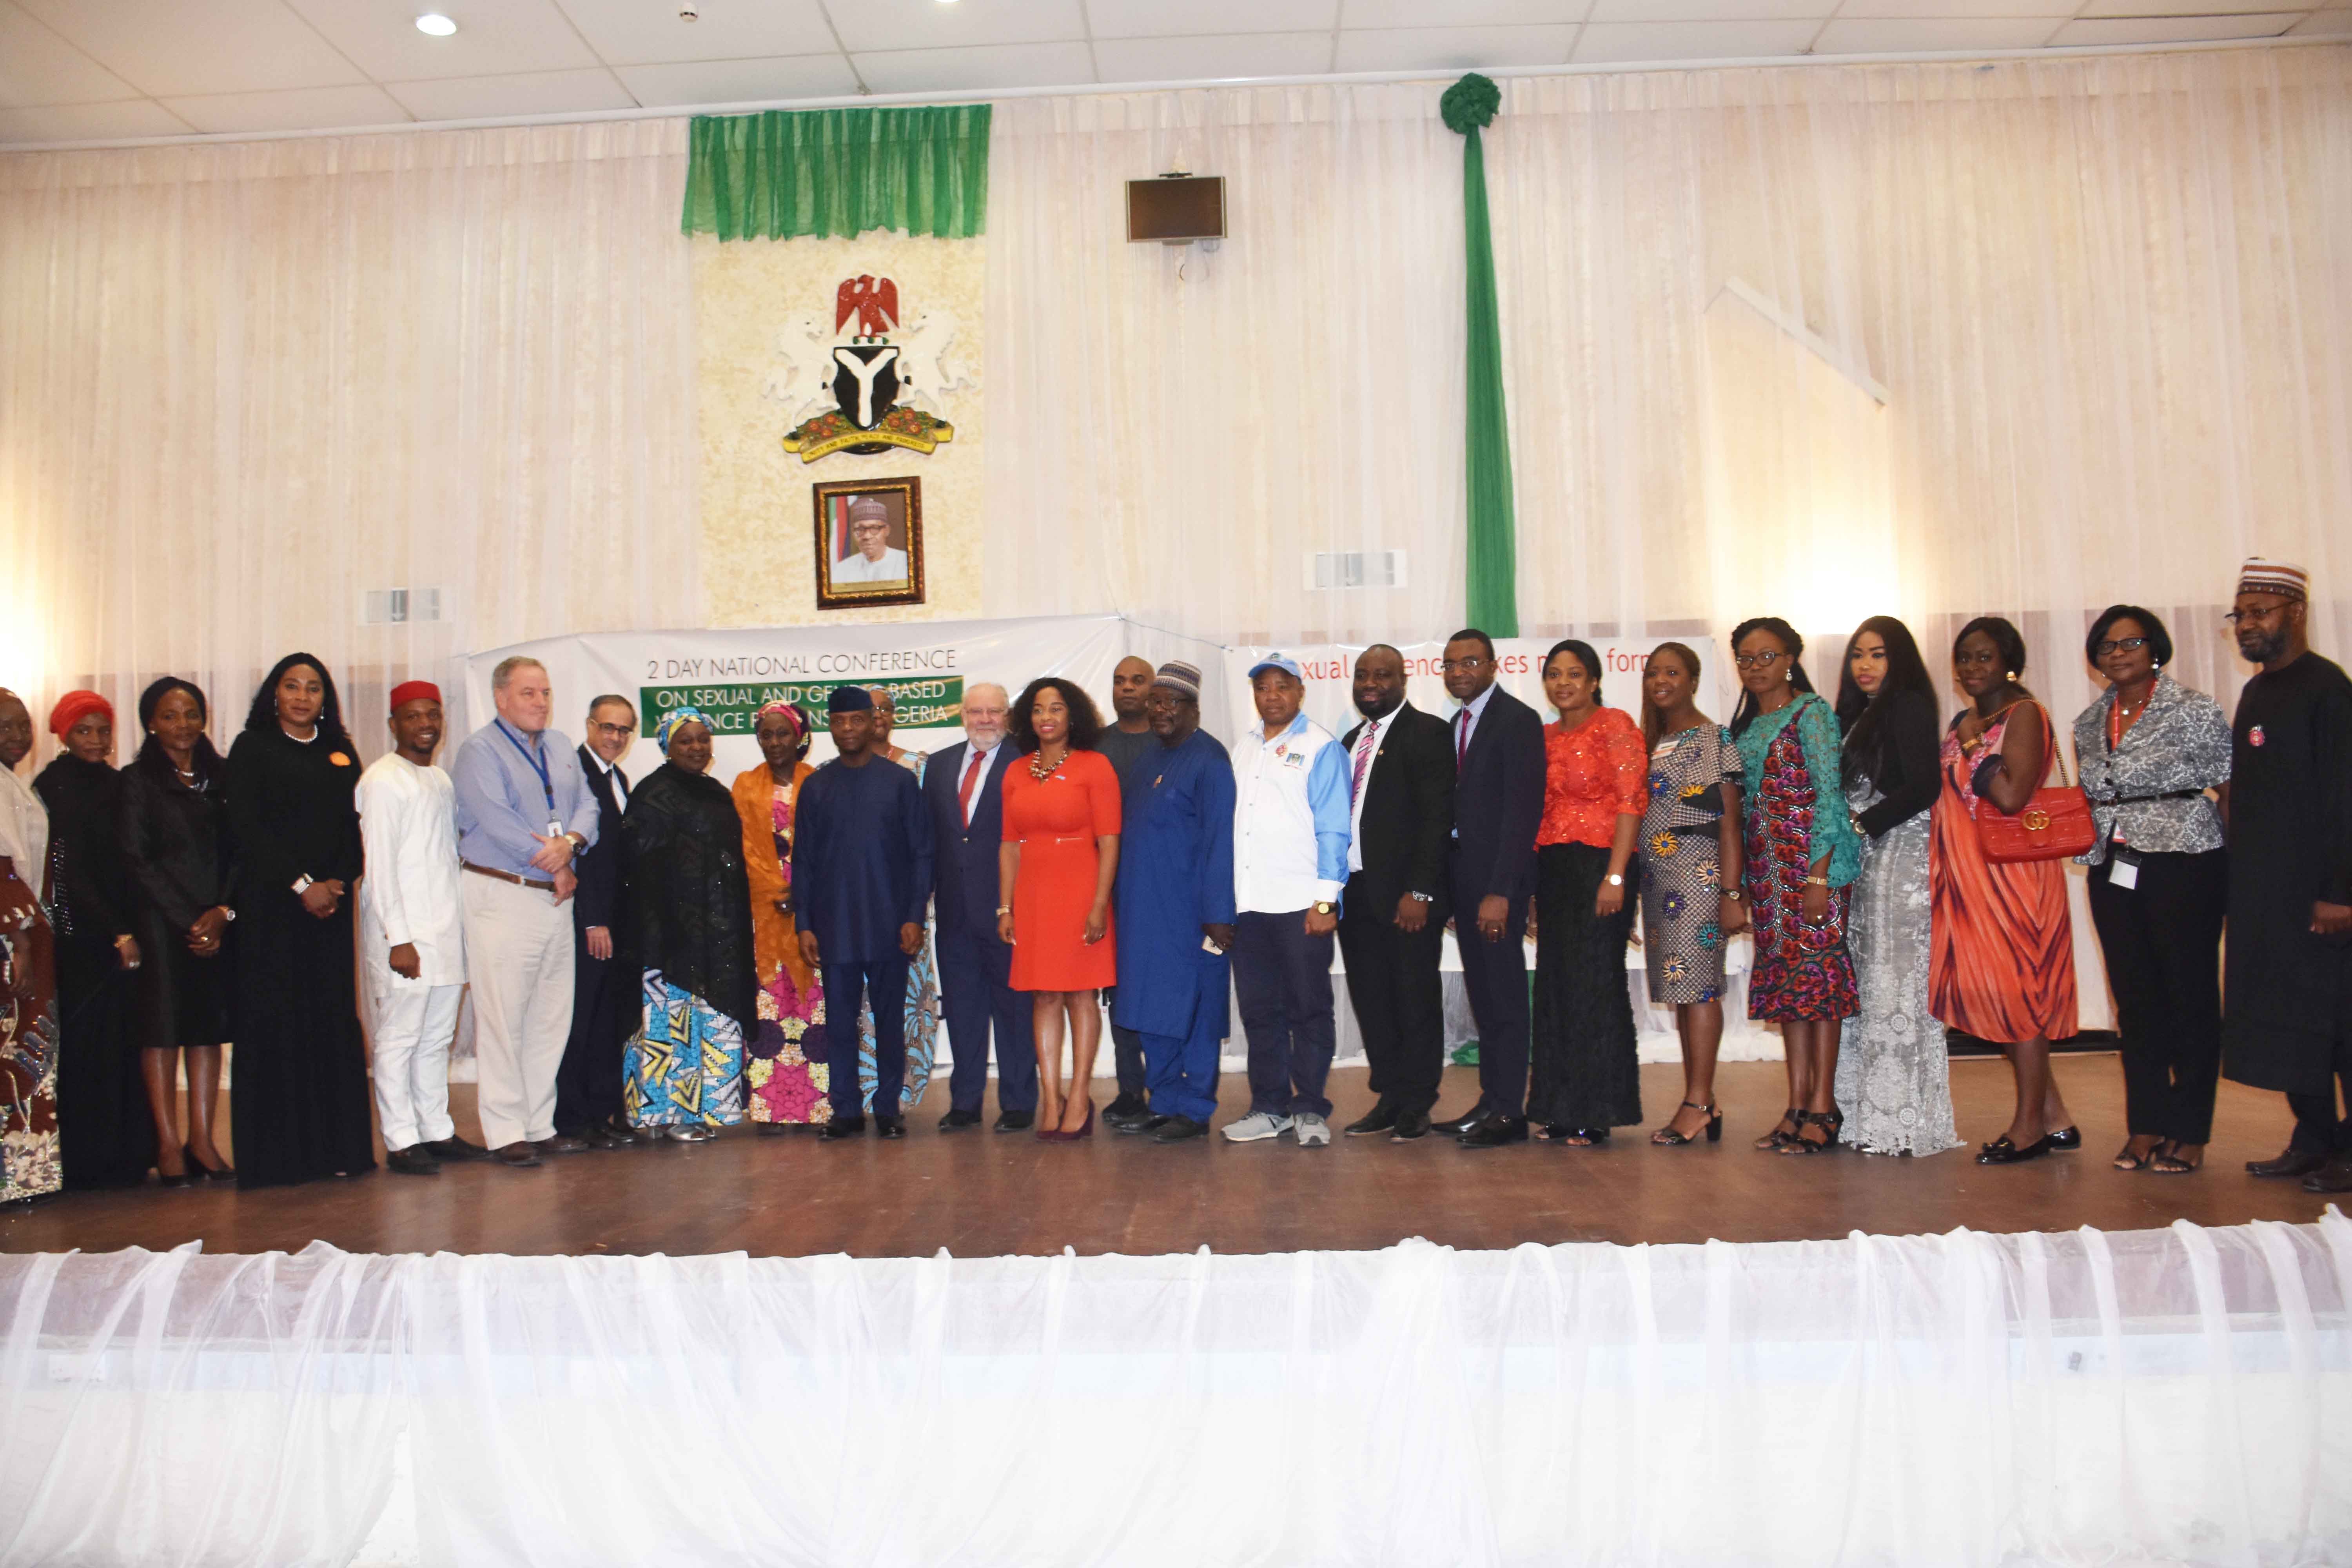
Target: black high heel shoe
x,y
1667,1138
1831,1122
199,1171
1795,1117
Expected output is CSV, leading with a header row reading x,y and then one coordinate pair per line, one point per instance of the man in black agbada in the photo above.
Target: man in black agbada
x,y
2287,980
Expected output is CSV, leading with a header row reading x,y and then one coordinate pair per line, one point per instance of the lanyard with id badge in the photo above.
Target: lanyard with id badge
x,y
538,762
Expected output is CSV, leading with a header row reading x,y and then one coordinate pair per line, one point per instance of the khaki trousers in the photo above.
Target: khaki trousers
x,y
519,961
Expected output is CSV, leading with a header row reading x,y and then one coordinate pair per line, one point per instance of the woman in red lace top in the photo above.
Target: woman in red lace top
x,y
1583,1077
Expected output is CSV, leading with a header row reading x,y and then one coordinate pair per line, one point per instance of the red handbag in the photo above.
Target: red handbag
x,y
2055,824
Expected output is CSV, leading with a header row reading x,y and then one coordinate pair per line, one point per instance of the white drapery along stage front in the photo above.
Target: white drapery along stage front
x,y
2181,1396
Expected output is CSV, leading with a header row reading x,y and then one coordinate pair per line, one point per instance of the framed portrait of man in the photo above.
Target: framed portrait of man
x,y
869,542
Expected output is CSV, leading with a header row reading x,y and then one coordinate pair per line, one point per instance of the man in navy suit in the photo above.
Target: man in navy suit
x,y
1498,795
963,787
605,988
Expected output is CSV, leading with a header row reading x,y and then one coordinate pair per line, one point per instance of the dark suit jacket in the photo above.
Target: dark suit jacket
x,y
1498,798
1408,818
601,898
963,874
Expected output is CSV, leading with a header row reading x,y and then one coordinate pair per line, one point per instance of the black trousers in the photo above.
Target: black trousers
x,y
2318,1127
2162,941
1281,978
1127,1051
976,992
1585,1072
1495,973
607,997
1399,998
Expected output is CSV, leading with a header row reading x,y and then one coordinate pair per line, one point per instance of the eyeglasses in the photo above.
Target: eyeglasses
x,y
2117,644
1470,665
1757,660
2239,617
602,729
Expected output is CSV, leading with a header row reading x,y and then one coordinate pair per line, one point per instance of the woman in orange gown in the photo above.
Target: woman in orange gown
x,y
2002,957
1054,873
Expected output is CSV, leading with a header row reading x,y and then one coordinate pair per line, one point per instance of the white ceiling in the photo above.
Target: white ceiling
x,y
83,70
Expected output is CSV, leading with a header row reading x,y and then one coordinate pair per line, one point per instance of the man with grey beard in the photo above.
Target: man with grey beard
x,y
963,788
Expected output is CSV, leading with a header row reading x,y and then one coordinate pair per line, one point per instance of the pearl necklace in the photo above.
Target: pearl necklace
x,y
1039,771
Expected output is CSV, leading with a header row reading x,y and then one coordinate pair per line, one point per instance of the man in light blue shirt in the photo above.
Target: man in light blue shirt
x,y
524,812
1291,828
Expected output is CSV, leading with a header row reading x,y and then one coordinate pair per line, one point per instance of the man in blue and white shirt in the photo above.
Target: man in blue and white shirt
x,y
1290,861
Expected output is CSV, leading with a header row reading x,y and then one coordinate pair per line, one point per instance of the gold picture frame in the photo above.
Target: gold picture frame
x,y
849,573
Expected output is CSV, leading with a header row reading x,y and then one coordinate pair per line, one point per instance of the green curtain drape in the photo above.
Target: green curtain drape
x,y
781,174
1492,597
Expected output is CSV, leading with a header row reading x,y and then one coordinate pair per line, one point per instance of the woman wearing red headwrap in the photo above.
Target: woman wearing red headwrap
x,y
112,1142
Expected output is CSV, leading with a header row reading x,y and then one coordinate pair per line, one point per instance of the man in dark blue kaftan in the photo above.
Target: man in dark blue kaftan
x,y
861,878
1176,907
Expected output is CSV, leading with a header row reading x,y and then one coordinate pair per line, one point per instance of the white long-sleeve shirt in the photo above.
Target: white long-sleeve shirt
x,y
408,821
1290,818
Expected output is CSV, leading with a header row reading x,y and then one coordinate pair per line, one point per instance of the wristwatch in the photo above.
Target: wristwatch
x,y
579,845
1616,879
1423,898
302,884
1323,906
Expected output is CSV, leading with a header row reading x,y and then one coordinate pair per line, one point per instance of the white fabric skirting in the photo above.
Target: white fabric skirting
x,y
2176,1396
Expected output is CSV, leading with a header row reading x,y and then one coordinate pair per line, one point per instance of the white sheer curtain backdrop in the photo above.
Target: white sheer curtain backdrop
x,y
243,385
2176,1396
2105,300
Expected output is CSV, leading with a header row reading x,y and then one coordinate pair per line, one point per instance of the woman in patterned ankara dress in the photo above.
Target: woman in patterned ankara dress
x,y
2003,964
1691,903
690,903
786,1072
1801,855
1585,1076
1892,1074
922,1031
29,1166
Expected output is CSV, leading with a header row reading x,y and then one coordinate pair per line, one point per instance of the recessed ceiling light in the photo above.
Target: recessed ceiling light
x,y
435,25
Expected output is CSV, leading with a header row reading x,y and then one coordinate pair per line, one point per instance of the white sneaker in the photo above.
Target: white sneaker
x,y
1256,1127
1312,1130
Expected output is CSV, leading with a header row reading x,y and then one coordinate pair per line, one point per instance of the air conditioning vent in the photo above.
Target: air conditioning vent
x,y
1356,569
400,606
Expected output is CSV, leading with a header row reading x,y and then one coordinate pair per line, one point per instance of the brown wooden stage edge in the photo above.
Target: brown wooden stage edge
x,y
982,1193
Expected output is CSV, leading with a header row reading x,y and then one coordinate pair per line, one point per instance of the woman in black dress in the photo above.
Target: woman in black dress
x,y
173,831
302,1071
102,1105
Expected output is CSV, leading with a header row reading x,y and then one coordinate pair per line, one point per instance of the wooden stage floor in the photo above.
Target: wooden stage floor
x,y
979,1194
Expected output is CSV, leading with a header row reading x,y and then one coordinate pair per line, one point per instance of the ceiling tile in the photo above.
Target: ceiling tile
x,y
91,121
926,24
1459,14
302,109
639,32
2105,30
508,37
1913,34
38,66
740,81
2188,8
163,47
1709,10
488,96
1939,9
2327,21
1452,48
1159,19
1212,60
977,69
1605,42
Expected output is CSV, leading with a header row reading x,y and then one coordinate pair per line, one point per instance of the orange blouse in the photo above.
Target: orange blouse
x,y
1593,774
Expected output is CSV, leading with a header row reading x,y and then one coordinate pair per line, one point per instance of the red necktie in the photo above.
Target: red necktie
x,y
1364,760
971,778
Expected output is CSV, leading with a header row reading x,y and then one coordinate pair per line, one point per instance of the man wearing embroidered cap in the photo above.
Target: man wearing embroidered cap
x,y
412,941
2287,990
870,557
1175,900
861,883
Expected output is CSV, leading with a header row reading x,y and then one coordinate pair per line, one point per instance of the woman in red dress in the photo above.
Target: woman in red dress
x,y
1054,879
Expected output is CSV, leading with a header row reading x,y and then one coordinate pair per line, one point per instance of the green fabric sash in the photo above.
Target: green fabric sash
x,y
1492,590
839,172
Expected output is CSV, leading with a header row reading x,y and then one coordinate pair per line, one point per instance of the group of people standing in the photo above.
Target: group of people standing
x,y
662,958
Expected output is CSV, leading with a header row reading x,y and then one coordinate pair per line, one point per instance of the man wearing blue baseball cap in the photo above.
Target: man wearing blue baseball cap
x,y
1290,860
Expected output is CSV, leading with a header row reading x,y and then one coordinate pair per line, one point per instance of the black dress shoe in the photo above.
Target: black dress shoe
x,y
889,1127
1176,1128
2001,1151
844,1128
1127,1103
2335,1177
522,1154
2292,1162
412,1161
454,1148
1380,1119
562,1143
2065,1140
622,1132
1495,1131
1015,1121
1458,1125
603,1136
1410,1125
957,1120
1147,1122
